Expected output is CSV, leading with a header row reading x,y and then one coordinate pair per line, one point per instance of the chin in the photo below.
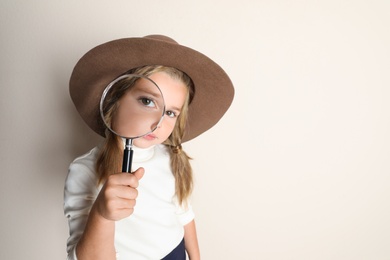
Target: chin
x,y
143,143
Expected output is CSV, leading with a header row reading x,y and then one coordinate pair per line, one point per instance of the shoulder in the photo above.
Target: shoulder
x,y
81,173
81,185
86,160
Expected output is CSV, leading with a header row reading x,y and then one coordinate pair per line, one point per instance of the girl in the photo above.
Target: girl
x,y
147,214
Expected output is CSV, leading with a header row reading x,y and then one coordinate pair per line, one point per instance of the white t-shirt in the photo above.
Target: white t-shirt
x,y
156,226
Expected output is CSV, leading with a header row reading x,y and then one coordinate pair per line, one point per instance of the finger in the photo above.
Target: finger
x,y
120,204
139,173
126,192
111,206
124,179
127,204
120,214
123,213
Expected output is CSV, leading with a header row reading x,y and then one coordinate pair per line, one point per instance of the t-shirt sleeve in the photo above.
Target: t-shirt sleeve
x,y
185,213
80,192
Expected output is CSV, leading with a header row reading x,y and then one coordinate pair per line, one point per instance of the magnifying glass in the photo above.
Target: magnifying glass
x,y
131,106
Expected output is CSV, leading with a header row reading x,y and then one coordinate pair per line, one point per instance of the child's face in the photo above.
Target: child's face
x,y
174,92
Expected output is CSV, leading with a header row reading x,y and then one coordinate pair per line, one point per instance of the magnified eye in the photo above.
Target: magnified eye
x,y
147,102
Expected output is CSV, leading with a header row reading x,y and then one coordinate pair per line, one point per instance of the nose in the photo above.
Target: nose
x,y
158,124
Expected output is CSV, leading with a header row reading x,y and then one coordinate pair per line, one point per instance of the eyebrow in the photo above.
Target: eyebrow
x,y
174,108
154,94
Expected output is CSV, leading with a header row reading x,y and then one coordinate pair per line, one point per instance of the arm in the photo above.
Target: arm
x,y
115,201
191,241
97,241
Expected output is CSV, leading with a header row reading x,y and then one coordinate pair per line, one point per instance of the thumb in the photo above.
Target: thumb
x,y
139,173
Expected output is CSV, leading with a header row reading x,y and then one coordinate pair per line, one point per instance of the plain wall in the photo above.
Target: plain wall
x,y
297,169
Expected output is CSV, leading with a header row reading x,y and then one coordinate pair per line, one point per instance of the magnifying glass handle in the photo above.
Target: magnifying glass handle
x,y
127,156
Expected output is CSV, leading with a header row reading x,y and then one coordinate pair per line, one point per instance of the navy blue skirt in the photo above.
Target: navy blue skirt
x,y
179,253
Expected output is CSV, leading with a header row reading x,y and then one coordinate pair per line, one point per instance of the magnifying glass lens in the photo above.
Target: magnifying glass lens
x,y
132,106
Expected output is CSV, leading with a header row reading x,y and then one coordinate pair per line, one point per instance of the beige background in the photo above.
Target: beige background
x,y
297,169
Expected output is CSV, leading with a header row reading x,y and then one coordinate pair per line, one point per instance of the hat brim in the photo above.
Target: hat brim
x,y
214,90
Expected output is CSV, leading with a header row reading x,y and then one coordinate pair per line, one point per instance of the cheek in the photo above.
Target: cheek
x,y
168,124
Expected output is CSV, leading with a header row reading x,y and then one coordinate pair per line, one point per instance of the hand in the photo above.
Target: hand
x,y
117,197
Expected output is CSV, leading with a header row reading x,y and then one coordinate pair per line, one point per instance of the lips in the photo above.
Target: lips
x,y
150,137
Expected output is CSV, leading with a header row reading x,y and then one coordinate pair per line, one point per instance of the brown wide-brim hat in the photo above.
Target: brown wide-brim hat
x,y
98,67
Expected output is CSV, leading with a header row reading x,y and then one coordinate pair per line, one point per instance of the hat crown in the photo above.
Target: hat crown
x,y
160,37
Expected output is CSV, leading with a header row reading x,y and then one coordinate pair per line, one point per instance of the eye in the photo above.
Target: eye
x,y
147,102
171,114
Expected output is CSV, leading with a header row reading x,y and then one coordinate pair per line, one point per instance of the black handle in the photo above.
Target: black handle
x,y
127,156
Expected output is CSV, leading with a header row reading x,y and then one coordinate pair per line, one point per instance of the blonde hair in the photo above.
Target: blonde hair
x,y
110,157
